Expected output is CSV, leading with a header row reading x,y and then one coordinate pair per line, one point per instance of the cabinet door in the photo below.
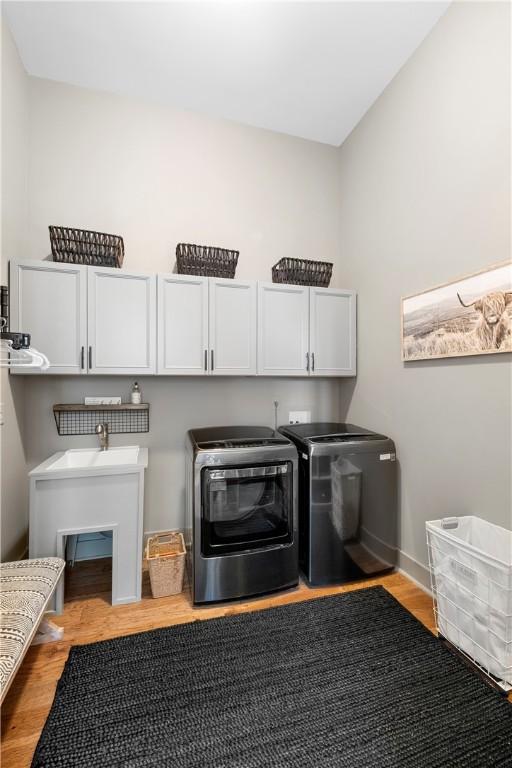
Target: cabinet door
x,y
121,322
283,319
49,301
332,332
232,330
183,325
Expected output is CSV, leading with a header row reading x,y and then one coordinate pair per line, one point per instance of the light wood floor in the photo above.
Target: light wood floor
x,y
88,616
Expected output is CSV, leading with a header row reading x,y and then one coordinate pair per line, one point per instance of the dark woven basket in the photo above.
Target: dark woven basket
x,y
302,272
82,246
205,260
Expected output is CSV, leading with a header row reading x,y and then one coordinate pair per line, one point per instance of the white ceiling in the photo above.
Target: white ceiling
x,y
309,69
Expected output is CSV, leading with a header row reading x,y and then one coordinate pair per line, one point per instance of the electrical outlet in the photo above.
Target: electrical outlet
x,y
299,417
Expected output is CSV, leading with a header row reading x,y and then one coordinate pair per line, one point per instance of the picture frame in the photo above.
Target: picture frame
x,y
470,315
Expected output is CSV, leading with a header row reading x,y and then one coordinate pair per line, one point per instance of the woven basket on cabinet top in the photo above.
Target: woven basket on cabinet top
x,y
84,246
302,272
205,260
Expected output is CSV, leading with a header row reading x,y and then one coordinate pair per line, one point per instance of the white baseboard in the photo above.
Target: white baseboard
x,y
414,570
417,572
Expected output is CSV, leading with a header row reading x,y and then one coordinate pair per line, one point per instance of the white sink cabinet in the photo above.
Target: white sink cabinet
x,y
86,491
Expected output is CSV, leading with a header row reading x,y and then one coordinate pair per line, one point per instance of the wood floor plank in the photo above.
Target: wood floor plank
x,y
88,616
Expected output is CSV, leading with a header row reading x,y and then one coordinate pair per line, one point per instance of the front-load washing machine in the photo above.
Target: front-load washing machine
x,y
241,512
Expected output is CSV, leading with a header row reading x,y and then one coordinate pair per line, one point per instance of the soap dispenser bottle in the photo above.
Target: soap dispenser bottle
x,y
136,395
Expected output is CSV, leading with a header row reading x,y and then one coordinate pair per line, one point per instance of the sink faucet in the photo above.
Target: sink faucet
x,y
102,432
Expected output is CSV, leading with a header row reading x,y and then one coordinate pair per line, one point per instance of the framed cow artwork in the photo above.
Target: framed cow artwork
x,y
468,316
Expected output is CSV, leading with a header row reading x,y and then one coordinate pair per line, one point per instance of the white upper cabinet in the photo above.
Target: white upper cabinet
x,y
183,325
232,327
121,322
306,331
283,324
332,332
100,320
49,301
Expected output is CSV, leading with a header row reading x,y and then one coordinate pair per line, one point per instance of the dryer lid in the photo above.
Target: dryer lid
x,y
329,432
256,442
322,429
347,438
211,438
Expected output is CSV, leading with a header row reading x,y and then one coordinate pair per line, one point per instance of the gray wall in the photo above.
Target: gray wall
x,y
159,176
425,197
15,124
177,404
418,195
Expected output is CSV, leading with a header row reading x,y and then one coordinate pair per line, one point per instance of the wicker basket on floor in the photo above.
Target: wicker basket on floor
x,y
165,553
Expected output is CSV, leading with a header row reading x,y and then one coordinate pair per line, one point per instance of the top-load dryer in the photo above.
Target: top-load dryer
x,y
347,501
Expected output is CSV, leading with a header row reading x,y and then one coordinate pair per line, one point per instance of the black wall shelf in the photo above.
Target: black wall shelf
x,y
78,419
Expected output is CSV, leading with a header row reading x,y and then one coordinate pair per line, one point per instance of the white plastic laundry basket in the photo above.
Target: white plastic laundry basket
x,y
471,571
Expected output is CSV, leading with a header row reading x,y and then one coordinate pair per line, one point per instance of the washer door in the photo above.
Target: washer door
x,y
245,507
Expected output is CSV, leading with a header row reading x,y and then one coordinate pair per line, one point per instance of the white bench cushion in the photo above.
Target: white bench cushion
x,y
25,589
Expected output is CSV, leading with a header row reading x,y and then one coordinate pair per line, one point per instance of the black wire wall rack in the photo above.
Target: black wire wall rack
x,y
77,419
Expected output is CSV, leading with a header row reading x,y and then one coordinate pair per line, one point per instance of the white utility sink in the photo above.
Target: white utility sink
x,y
91,459
84,491
94,457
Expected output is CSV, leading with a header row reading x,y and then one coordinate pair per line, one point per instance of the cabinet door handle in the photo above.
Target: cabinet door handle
x,y
312,361
206,359
90,358
212,360
307,361
82,358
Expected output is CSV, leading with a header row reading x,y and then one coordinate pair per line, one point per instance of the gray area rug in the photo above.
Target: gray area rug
x,y
348,681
